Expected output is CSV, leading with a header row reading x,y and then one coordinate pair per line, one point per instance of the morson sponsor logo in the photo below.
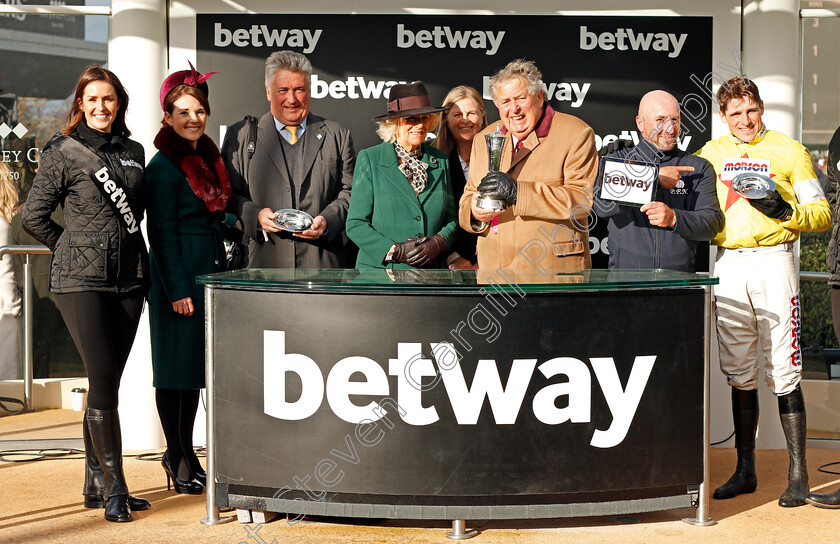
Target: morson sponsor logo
x,y
739,165
262,36
762,167
625,39
444,37
574,393
795,331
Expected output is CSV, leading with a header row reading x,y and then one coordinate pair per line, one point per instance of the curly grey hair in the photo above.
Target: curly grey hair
x,y
286,60
522,69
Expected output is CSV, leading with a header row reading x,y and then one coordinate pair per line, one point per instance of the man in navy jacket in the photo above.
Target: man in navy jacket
x,y
663,233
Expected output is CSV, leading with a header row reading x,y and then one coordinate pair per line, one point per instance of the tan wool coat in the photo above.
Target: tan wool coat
x,y
548,226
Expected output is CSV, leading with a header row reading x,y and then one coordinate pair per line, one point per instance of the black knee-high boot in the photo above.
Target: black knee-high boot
x,y
94,489
792,414
104,426
745,416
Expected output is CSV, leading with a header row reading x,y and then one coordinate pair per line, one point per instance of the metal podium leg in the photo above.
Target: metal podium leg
x,y
703,518
459,531
212,510
27,333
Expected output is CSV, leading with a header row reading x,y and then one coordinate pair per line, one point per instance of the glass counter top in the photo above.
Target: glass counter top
x,y
444,281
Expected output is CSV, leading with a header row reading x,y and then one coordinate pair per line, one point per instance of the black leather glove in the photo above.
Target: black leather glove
x,y
500,185
773,205
401,250
614,146
426,250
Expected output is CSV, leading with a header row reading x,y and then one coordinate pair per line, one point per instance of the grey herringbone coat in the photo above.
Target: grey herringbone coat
x,y
328,162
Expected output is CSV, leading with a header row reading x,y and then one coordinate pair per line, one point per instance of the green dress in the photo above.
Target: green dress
x,y
186,240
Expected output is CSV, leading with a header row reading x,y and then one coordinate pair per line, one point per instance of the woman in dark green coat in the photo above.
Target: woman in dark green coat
x,y
188,189
402,213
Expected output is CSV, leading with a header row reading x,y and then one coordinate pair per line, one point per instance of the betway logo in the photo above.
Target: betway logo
x,y
636,41
118,196
443,37
262,36
353,87
632,135
564,92
410,368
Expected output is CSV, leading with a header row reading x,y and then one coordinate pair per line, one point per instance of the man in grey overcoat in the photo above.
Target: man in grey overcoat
x,y
297,161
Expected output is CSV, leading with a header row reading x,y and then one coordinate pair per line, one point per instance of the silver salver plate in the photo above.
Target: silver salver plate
x,y
753,186
490,203
292,220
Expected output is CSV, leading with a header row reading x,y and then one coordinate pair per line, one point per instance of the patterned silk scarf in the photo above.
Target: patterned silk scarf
x,y
412,167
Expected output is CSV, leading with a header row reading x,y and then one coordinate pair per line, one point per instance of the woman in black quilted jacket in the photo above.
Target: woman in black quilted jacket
x,y
100,267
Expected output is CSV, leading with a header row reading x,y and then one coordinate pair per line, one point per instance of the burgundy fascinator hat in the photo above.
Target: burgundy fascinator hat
x,y
185,77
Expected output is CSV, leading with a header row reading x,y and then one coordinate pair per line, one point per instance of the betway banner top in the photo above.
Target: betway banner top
x,y
596,68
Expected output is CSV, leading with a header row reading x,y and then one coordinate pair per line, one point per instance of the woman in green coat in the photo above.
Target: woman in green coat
x,y
188,189
402,213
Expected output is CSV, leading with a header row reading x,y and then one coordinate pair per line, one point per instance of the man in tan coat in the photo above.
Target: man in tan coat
x,y
547,174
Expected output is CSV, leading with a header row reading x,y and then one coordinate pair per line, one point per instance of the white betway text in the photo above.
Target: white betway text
x,y
410,368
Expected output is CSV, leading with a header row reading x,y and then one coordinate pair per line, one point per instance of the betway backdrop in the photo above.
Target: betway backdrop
x,y
595,68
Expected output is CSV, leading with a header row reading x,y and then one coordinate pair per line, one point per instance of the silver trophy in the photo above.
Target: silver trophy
x,y
753,186
495,141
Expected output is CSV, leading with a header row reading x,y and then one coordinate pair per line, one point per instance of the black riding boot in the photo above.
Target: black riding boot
x,y
792,414
824,500
94,490
104,426
745,416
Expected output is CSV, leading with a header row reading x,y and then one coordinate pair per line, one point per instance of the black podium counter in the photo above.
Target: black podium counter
x,y
455,395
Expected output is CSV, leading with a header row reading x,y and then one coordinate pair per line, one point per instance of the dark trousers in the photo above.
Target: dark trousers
x,y
103,326
835,310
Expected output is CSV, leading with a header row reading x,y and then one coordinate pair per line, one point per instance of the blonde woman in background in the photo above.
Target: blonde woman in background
x,y
10,303
460,123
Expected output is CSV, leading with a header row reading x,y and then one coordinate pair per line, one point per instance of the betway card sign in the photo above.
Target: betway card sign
x,y
596,68
628,182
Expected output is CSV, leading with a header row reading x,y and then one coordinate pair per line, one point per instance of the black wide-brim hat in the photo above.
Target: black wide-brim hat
x,y
408,99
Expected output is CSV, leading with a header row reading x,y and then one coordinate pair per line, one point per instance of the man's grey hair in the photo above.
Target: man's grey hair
x,y
522,69
286,60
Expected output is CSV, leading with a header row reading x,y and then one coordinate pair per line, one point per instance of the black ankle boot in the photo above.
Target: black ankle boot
x,y
104,426
824,500
745,416
94,488
792,414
